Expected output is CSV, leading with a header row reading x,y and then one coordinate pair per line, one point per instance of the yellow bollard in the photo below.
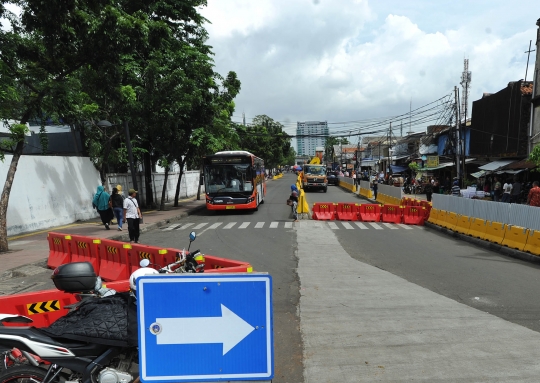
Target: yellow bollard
x,y
303,207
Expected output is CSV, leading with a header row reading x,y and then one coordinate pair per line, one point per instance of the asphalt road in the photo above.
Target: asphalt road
x,y
268,239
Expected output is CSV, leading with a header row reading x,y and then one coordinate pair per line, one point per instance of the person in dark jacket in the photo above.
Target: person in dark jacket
x,y
294,198
101,204
117,203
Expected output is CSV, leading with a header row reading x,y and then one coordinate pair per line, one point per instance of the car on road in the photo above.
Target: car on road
x,y
333,178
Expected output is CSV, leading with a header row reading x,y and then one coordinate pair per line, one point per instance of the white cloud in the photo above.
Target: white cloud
x,y
346,60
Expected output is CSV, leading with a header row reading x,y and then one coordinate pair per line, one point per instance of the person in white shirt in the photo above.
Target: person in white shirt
x,y
507,191
132,215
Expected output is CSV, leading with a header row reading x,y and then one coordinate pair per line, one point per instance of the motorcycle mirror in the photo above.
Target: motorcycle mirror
x,y
192,236
144,262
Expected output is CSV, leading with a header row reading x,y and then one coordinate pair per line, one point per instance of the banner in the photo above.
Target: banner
x,y
432,161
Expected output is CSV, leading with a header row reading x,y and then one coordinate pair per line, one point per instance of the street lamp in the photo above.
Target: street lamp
x,y
107,124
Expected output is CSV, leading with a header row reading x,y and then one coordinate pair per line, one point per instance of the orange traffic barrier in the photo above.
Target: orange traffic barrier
x,y
413,215
515,237
59,252
463,224
428,207
495,232
347,211
392,214
533,242
113,260
477,228
369,212
323,211
214,264
84,249
135,252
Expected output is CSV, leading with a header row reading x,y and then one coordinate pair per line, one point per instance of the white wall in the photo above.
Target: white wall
x,y
54,191
188,185
49,191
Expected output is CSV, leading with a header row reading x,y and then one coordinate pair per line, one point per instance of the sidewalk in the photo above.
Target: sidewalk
x,y
30,248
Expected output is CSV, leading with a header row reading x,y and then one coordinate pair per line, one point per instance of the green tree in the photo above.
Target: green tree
x,y
266,139
534,156
41,51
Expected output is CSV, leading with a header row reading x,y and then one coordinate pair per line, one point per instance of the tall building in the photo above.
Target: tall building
x,y
310,135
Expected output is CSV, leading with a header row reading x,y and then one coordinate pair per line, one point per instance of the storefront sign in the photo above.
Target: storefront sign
x,y
432,161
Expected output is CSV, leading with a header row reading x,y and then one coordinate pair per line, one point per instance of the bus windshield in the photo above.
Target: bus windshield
x,y
228,178
315,170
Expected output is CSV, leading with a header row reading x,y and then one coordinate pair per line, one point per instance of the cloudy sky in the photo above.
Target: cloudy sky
x,y
350,60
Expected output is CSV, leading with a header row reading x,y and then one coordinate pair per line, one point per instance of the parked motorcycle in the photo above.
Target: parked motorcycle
x,y
61,353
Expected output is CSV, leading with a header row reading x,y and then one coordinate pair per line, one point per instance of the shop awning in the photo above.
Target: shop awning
x,y
507,171
398,169
479,174
495,165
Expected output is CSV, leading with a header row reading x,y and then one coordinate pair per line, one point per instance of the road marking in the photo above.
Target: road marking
x,y
347,225
259,225
390,225
361,226
215,225
288,225
172,227
403,226
375,226
185,226
244,225
273,225
200,226
318,224
229,225
333,226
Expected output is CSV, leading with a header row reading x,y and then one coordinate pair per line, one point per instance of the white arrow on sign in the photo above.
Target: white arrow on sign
x,y
228,329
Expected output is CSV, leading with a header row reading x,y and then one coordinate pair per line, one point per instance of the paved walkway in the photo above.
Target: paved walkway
x,y
33,247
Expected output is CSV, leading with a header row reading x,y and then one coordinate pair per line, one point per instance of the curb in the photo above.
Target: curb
x,y
158,224
500,249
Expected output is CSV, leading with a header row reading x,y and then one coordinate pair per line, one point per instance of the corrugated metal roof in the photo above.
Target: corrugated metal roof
x,y
495,165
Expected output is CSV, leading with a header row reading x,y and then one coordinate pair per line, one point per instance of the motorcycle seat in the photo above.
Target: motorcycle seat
x,y
78,348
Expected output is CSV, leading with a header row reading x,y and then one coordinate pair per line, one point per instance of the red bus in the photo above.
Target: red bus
x,y
234,180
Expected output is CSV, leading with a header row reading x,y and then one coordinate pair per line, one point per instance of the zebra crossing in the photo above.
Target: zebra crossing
x,y
333,225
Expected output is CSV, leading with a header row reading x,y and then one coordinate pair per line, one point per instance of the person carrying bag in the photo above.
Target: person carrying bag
x,y
133,216
100,202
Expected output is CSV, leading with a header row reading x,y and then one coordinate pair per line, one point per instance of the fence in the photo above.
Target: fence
x,y
390,191
511,214
188,185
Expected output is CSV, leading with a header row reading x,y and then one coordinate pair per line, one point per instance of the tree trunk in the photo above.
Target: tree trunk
x,y
148,179
4,200
164,191
200,182
177,194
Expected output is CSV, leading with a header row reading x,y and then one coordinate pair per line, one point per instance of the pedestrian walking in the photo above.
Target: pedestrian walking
x,y
132,215
117,203
456,191
375,187
428,189
533,198
507,191
100,202
354,177
497,190
516,192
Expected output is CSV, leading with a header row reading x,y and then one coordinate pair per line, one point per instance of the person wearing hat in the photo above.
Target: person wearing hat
x,y
456,191
294,198
132,215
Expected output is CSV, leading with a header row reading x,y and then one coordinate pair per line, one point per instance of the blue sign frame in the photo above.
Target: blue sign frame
x,y
205,327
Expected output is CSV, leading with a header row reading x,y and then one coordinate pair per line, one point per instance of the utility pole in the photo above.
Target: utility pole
x,y
458,169
410,114
465,81
401,129
390,149
528,55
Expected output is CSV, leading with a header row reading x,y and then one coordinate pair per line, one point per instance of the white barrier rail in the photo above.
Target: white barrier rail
x,y
511,214
391,191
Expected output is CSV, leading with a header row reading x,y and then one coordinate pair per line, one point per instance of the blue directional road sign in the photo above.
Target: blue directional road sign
x,y
205,327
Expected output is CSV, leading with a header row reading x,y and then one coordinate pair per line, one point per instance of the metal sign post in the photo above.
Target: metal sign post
x,y
205,327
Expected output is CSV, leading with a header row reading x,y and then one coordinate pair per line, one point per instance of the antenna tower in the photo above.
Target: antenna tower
x,y
465,81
